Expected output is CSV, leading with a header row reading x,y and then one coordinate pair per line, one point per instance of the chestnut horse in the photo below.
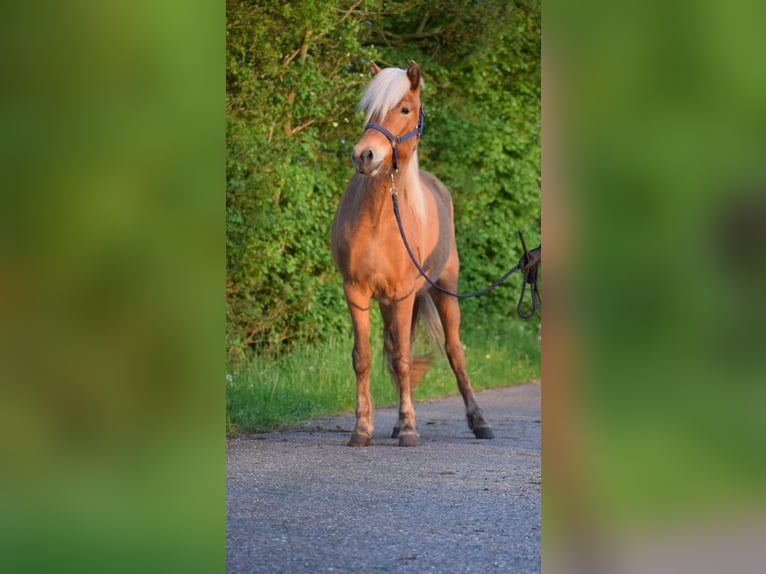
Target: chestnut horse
x,y
369,252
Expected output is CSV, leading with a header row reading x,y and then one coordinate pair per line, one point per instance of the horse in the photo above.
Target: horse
x,y
369,253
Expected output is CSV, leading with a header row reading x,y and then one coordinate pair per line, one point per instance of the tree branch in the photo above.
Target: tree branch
x,y
422,25
301,127
348,12
287,59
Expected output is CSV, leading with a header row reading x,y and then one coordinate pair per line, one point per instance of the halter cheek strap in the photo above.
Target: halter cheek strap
x,y
395,141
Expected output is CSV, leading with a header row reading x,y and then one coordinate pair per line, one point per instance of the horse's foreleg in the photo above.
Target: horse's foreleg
x,y
398,323
362,359
449,312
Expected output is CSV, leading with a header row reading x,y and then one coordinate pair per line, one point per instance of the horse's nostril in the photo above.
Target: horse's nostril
x,y
367,155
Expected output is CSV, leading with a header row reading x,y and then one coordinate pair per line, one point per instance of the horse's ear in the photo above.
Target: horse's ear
x,y
374,68
413,73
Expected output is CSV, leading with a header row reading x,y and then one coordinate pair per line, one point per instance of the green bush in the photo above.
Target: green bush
x,y
294,74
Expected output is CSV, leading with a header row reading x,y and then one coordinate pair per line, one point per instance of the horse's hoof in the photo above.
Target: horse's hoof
x,y
408,439
484,432
359,440
395,432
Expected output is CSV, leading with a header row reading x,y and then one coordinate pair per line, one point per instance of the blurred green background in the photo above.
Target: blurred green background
x,y
111,287
660,134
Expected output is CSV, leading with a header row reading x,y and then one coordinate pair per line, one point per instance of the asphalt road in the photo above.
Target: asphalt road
x,y
302,501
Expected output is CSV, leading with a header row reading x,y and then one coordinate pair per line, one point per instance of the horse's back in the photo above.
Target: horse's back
x,y
444,209
440,192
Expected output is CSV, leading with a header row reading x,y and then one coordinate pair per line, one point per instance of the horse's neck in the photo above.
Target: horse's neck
x,y
376,197
414,191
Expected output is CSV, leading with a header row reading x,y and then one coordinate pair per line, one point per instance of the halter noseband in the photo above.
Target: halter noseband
x,y
395,141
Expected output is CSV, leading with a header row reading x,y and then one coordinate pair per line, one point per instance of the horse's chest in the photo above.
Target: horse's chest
x,y
380,263
377,258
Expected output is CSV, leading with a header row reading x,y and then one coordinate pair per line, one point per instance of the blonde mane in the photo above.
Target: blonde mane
x,y
386,89
415,196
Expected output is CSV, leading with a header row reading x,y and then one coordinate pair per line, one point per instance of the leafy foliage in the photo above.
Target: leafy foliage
x,y
294,74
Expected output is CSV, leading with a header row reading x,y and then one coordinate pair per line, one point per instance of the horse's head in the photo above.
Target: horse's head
x,y
394,119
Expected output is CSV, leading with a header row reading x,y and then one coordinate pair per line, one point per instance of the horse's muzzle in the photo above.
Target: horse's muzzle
x,y
366,161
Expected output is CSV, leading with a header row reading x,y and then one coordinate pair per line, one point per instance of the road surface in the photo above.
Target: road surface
x,y
301,501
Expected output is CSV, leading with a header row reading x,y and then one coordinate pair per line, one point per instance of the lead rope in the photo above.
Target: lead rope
x,y
528,263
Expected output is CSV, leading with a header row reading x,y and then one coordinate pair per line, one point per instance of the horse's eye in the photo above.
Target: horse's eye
x,y
405,111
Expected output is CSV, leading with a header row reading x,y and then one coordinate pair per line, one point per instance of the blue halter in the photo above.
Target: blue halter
x,y
395,141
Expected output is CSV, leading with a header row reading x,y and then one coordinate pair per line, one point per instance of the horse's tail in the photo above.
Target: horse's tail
x,y
424,309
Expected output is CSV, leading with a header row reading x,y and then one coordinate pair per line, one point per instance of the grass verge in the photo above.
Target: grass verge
x,y
269,392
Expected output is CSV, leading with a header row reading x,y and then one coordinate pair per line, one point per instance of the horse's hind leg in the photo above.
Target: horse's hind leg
x,y
419,365
397,318
362,359
388,354
449,312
